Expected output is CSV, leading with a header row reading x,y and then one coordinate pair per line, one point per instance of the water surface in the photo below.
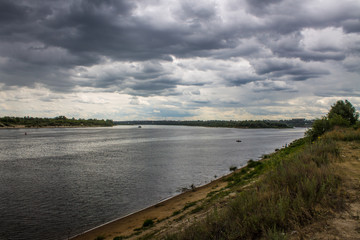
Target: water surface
x,y
55,183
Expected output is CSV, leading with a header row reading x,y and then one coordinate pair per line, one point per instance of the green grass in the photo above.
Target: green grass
x,y
197,209
189,205
118,238
343,134
297,184
176,213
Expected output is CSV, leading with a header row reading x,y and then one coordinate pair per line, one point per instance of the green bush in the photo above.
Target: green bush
x,y
338,120
148,223
100,238
251,163
176,213
188,205
319,127
118,238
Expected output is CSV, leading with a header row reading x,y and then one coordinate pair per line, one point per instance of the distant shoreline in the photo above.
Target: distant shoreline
x,y
57,122
25,127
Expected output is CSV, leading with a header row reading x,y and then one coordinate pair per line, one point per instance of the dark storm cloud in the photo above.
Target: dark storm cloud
x,y
154,84
352,26
44,41
11,13
238,80
289,46
278,68
143,79
260,6
346,92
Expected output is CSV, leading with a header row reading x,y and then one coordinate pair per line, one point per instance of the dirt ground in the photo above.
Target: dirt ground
x,y
343,225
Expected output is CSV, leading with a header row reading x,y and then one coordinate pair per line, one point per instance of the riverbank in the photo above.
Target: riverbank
x,y
163,213
186,208
60,121
311,192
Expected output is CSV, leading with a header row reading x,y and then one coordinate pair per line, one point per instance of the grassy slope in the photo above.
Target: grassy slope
x,y
297,185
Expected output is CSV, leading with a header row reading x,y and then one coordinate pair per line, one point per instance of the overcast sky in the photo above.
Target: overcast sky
x,y
178,59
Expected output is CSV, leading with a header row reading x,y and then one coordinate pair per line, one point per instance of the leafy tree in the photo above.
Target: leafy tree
x,y
338,120
341,114
345,110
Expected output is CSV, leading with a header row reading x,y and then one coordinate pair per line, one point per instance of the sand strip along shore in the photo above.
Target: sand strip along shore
x,y
125,226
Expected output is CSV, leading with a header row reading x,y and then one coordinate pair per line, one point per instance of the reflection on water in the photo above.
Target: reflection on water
x,y
57,183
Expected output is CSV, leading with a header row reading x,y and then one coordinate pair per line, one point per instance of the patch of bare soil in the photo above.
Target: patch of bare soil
x,y
343,225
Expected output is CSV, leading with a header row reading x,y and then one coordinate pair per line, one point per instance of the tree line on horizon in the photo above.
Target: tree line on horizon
x,y
225,123
60,121
342,113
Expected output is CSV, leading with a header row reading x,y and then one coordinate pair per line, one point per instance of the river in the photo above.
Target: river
x,y
58,182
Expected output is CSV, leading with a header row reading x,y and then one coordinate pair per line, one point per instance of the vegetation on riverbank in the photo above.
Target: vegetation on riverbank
x,y
60,121
293,190
298,184
272,198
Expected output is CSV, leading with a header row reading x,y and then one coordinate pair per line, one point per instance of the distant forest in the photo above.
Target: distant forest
x,y
230,124
60,121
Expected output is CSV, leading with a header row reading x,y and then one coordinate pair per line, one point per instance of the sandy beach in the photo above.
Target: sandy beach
x,y
161,213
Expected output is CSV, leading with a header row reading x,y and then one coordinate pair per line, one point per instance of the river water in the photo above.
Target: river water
x,y
58,182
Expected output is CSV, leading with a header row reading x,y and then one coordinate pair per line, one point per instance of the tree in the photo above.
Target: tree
x,y
341,114
338,120
344,110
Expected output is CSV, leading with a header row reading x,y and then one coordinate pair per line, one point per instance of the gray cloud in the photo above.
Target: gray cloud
x,y
351,25
131,46
292,70
273,86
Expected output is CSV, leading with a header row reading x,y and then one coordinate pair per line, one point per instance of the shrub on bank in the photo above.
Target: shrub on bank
x,y
148,223
344,134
